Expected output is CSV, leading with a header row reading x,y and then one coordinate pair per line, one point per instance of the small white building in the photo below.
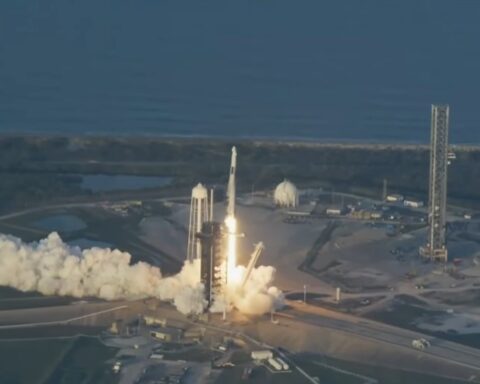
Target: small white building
x,y
262,355
393,198
166,334
157,321
336,210
376,215
333,211
413,203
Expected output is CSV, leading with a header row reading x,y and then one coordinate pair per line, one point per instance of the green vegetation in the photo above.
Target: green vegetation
x,y
33,302
12,293
403,311
382,374
30,362
38,170
85,364
75,361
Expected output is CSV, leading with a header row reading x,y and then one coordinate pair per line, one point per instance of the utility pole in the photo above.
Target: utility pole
x,y
305,294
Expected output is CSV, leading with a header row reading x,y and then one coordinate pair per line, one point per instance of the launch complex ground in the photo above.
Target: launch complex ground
x,y
388,295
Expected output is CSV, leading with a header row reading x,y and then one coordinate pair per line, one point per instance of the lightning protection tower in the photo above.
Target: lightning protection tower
x,y
199,214
436,248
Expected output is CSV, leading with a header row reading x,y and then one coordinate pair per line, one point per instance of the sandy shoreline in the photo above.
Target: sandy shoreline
x,y
257,141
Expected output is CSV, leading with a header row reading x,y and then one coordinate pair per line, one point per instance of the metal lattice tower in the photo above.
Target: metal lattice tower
x,y
435,248
213,261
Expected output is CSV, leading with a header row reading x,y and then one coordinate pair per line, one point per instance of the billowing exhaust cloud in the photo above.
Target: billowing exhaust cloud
x,y
52,267
257,297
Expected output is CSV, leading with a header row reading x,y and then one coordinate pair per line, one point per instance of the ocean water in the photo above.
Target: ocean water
x,y
310,69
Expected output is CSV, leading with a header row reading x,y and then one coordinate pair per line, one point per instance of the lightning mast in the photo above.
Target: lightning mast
x,y
436,248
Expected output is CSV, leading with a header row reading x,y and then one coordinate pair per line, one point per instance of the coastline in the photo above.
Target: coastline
x,y
293,142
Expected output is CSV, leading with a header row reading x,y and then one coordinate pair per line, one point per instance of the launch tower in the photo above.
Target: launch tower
x,y
213,272
436,249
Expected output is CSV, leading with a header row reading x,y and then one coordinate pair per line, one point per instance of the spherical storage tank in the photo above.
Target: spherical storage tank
x,y
286,194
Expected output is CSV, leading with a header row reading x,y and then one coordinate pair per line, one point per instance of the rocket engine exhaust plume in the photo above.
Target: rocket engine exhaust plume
x,y
52,267
232,272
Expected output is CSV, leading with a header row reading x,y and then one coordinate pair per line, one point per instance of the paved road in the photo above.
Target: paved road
x,y
451,352
70,320
80,313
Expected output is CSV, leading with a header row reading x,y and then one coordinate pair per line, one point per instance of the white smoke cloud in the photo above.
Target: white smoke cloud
x,y
52,267
257,297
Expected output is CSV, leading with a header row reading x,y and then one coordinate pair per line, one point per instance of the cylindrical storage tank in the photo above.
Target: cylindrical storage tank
x,y
275,364
283,363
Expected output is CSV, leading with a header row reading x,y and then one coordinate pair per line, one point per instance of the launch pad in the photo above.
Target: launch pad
x,y
215,243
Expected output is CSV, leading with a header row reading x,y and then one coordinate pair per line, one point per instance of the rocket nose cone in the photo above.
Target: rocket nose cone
x,y
234,150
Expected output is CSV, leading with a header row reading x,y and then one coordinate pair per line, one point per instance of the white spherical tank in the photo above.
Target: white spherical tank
x,y
286,194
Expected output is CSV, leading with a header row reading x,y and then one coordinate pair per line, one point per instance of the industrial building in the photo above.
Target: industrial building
x,y
393,198
436,248
336,210
213,272
166,334
413,203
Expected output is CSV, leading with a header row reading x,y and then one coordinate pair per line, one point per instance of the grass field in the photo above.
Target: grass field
x,y
381,374
11,293
56,361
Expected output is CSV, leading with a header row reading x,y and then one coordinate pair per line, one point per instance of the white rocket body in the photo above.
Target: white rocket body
x,y
231,185
231,221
